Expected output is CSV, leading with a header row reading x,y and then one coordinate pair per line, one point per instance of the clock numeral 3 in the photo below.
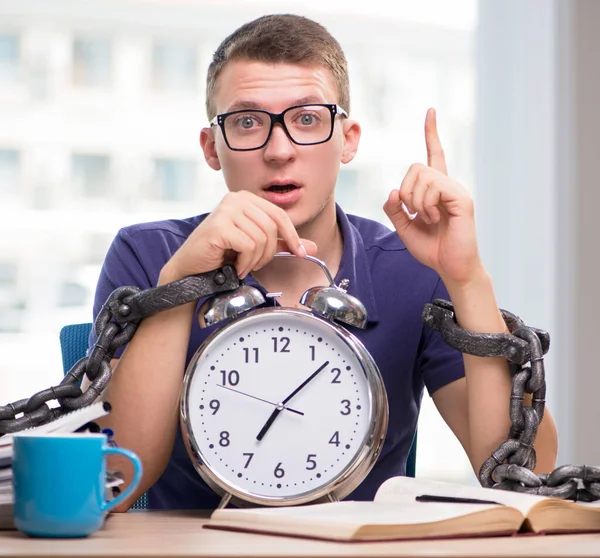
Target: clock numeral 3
x,y
232,377
224,439
346,410
335,439
310,461
280,345
279,472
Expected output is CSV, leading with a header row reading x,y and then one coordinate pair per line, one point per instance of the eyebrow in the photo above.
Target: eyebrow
x,y
251,105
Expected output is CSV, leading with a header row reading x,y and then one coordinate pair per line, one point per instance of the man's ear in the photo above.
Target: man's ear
x,y
207,142
351,138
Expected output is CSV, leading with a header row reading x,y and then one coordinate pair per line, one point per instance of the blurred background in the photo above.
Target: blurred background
x,y
102,101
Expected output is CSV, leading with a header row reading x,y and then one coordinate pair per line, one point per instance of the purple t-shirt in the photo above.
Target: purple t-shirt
x,y
382,274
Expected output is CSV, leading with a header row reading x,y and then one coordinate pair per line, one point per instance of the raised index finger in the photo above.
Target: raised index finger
x,y
435,153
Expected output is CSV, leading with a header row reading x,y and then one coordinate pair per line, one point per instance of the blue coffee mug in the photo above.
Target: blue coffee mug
x,y
59,483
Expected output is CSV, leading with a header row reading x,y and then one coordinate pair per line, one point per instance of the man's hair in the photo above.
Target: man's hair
x,y
281,38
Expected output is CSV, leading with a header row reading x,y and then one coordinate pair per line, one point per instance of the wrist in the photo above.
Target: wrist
x,y
475,304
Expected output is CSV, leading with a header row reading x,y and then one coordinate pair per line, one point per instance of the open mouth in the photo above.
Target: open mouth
x,y
282,189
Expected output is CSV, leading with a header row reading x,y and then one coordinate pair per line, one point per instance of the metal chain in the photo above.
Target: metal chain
x,y
115,326
510,467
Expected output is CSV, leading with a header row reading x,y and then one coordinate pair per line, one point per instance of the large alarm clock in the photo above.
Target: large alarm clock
x,y
283,406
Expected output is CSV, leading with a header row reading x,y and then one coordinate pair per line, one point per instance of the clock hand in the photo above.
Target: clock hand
x,y
276,412
263,400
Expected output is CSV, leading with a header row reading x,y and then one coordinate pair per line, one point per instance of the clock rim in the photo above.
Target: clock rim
x,y
355,470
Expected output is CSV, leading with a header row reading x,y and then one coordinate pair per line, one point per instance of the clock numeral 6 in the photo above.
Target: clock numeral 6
x,y
346,410
232,377
280,345
310,462
224,439
279,472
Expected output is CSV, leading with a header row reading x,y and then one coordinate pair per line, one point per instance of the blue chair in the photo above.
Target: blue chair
x,y
73,345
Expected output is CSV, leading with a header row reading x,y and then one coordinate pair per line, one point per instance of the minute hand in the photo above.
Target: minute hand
x,y
276,412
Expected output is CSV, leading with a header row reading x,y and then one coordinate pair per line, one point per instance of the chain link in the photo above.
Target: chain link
x,y
510,467
115,326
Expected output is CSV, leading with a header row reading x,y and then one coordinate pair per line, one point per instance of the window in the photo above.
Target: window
x,y
10,53
174,179
10,172
91,175
91,62
174,66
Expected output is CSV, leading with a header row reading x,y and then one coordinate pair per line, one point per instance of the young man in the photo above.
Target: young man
x,y
281,174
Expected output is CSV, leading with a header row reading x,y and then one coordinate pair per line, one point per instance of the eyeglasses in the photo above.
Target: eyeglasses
x,y
247,130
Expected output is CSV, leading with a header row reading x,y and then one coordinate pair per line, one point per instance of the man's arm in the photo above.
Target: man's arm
x,y
145,388
477,407
434,216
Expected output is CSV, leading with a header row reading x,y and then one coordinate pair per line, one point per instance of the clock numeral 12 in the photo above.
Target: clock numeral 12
x,y
280,345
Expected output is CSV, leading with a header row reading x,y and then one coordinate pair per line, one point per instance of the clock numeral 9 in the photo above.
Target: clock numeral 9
x,y
214,405
251,354
232,377
279,472
280,345
224,439
346,410
310,462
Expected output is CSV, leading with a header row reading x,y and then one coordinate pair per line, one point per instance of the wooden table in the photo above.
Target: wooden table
x,y
181,534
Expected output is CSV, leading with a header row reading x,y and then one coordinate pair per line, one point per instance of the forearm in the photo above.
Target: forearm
x,y
144,392
489,381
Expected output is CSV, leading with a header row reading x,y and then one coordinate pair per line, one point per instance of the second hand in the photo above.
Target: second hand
x,y
279,406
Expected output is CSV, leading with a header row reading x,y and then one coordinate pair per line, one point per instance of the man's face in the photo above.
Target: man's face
x,y
298,178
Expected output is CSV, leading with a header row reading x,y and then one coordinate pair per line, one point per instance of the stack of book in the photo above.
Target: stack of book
x,y
79,420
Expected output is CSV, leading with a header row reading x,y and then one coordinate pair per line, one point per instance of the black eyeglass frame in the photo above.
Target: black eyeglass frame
x,y
334,109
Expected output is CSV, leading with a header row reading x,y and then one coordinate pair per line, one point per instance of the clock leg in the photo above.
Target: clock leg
x,y
224,501
332,497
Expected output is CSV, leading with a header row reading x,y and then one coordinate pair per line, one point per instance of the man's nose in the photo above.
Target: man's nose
x,y
279,147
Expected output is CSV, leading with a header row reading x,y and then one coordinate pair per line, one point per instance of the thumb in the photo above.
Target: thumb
x,y
309,246
397,212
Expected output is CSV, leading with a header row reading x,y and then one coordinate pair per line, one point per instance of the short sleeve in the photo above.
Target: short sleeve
x,y
122,267
438,363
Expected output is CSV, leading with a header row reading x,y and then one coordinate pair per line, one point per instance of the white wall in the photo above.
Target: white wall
x,y
537,190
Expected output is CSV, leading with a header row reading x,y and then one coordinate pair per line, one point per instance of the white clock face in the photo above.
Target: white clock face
x,y
279,406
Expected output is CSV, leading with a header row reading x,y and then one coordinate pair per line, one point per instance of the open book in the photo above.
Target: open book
x,y
396,514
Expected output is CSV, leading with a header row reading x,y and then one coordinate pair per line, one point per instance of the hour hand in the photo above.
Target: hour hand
x,y
281,406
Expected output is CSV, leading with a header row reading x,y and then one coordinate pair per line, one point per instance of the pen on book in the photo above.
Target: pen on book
x,y
453,500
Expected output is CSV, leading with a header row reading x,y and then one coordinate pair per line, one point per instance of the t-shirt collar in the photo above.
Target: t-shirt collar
x,y
354,266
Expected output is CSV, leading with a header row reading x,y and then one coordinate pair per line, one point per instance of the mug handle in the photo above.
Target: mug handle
x,y
137,476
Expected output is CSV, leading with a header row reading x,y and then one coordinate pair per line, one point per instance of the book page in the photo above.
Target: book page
x,y
405,489
68,422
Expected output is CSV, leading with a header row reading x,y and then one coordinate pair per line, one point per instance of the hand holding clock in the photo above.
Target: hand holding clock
x,y
280,407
